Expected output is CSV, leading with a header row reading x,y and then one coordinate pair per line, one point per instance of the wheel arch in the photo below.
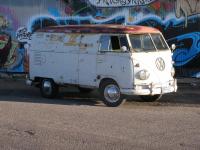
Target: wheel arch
x,y
105,80
40,79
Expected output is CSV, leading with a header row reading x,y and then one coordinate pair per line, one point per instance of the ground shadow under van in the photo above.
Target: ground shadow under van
x,y
17,91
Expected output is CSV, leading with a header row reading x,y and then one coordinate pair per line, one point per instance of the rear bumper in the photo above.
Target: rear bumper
x,y
29,82
152,89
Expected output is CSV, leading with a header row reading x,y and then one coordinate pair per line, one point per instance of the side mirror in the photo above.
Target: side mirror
x,y
124,48
173,47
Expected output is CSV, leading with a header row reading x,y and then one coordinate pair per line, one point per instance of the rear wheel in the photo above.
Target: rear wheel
x,y
110,94
151,98
48,88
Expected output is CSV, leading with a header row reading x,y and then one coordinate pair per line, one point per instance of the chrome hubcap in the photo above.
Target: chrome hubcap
x,y
112,93
47,87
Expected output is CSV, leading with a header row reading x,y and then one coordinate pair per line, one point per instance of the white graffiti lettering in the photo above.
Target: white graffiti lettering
x,y
119,3
187,8
23,35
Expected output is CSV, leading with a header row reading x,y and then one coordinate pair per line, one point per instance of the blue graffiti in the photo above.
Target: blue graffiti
x,y
54,12
187,39
42,22
188,47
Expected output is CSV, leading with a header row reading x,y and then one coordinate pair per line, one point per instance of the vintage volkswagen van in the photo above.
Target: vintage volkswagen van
x,y
116,59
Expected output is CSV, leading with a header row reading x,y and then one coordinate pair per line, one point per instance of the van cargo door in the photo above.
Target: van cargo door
x,y
87,60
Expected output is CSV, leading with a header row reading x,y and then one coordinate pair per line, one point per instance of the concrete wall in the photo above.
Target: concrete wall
x,y
179,20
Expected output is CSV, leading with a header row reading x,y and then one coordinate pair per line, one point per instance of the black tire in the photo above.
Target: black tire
x,y
85,90
48,88
151,98
113,99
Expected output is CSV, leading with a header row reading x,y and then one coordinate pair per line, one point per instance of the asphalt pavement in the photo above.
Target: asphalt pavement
x,y
82,121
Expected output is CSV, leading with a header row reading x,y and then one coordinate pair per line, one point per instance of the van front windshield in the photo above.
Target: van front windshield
x,y
147,42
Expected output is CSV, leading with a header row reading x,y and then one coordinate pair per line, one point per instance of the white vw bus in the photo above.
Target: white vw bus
x,y
118,60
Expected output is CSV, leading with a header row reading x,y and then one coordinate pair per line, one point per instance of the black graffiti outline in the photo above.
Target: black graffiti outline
x,y
22,34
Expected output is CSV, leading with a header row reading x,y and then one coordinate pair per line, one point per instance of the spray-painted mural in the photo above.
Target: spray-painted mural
x,y
179,21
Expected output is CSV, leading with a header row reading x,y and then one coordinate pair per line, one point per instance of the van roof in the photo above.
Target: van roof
x,y
99,29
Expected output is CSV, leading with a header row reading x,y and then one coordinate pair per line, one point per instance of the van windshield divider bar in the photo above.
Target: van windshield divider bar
x,y
153,42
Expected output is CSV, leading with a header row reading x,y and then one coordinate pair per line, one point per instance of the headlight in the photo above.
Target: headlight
x,y
172,71
144,75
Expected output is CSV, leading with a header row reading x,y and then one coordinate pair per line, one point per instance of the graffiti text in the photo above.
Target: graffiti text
x,y
23,35
119,3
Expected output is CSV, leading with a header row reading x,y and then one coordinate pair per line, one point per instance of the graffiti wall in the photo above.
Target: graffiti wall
x,y
179,21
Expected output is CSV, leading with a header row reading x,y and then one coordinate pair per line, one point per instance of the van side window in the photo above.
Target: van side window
x,y
105,43
123,41
115,43
118,42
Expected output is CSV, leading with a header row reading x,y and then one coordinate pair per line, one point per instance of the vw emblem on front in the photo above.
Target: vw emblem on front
x,y
160,64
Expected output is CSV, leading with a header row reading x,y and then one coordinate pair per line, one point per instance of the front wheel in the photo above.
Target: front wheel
x,y
110,94
48,88
151,98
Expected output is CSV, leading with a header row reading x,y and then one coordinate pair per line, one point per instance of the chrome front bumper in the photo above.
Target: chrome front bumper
x,y
152,89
